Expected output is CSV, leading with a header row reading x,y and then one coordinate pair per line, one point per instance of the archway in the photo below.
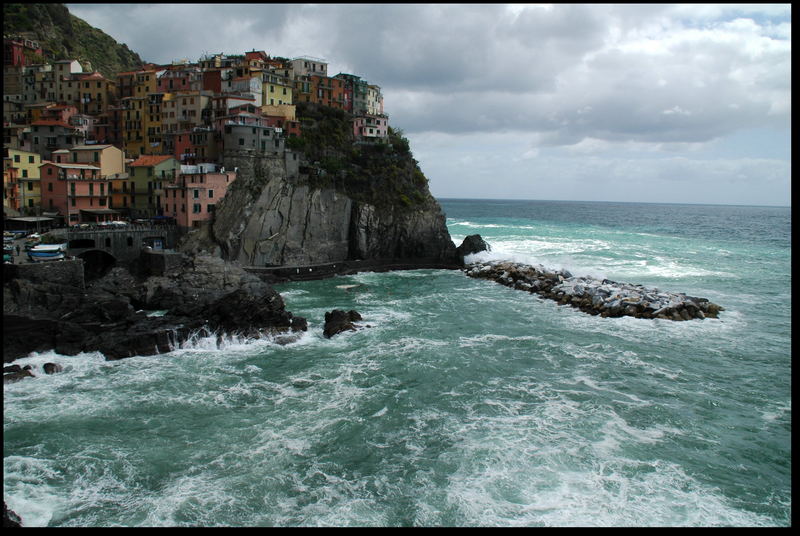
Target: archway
x,y
96,263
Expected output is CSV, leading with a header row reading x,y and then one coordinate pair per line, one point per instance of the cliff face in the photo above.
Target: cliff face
x,y
273,217
329,199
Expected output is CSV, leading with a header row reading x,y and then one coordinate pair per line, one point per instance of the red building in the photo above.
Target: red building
x,y
19,52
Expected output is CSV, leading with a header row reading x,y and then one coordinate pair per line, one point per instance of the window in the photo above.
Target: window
x,y
24,173
50,187
196,208
210,194
196,194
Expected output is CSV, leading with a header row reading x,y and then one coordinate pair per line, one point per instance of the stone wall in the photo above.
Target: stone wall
x,y
159,263
66,272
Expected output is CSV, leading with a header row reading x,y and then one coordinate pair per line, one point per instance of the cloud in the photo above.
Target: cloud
x,y
595,91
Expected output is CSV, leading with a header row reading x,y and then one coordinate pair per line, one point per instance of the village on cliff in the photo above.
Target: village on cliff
x,y
81,149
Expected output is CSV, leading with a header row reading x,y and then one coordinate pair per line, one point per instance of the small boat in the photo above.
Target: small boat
x,y
37,256
47,252
50,248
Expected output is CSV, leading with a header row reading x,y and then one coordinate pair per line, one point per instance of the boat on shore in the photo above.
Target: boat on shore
x,y
47,252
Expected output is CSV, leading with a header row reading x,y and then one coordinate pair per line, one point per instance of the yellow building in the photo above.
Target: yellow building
x,y
107,158
276,90
27,172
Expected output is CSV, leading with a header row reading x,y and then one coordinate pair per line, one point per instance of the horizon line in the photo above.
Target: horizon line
x,y
609,201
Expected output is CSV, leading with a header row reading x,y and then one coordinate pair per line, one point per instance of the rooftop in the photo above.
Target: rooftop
x,y
150,160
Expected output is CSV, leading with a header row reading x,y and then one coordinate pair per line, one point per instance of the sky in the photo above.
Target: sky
x,y
660,103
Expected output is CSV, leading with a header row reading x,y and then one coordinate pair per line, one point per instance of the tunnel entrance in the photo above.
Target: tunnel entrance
x,y
96,264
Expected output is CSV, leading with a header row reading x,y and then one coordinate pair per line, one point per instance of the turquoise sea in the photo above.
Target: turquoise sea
x,y
461,402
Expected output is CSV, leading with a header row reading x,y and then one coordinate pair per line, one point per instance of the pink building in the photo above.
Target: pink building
x,y
193,197
76,191
371,127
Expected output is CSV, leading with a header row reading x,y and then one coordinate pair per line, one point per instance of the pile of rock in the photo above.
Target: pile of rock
x,y
594,296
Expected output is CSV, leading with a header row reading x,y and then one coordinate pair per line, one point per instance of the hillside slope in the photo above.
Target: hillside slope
x,y
65,36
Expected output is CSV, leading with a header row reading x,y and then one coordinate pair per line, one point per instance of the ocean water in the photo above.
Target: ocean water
x,y
460,403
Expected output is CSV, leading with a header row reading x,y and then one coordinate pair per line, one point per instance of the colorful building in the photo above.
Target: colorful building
x,y
277,90
192,198
79,184
10,189
45,136
327,91
371,128
27,164
142,191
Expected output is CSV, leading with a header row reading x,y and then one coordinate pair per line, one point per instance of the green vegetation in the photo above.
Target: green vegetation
x,y
383,174
64,36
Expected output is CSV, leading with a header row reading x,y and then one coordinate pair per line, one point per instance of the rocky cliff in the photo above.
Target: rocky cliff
x,y
268,219
322,204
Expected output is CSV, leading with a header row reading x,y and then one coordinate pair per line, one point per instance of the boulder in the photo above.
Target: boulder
x,y
472,244
52,368
299,323
337,321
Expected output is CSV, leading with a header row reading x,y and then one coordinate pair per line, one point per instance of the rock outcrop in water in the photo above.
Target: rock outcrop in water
x,y
597,297
337,321
109,316
10,518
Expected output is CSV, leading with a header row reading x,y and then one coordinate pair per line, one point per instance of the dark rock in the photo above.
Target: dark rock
x,y
337,321
52,368
12,368
472,244
17,376
206,293
10,518
299,324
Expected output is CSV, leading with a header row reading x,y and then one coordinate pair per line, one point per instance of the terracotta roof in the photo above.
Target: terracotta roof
x,y
150,160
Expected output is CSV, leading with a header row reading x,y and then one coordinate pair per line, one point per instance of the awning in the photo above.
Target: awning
x,y
99,211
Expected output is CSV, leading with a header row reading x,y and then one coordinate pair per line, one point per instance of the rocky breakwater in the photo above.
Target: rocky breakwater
x,y
595,296
124,314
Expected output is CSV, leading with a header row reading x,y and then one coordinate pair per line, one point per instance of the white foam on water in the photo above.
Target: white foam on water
x,y
530,471
28,489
